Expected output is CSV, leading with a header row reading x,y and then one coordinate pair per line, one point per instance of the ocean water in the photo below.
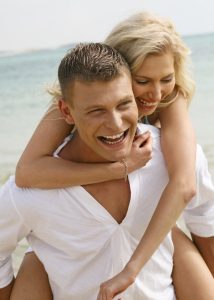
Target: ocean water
x,y
23,99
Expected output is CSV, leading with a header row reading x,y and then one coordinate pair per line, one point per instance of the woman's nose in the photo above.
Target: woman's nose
x,y
155,93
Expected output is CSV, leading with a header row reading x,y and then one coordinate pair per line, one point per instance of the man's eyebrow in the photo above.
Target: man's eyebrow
x,y
127,97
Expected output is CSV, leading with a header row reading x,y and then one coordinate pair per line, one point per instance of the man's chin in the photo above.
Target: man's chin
x,y
114,153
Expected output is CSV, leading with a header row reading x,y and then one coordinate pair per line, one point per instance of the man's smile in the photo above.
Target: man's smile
x,y
113,139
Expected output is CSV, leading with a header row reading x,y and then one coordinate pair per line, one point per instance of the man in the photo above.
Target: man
x,y
85,235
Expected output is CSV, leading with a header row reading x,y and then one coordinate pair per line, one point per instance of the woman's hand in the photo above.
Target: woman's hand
x,y
116,285
141,152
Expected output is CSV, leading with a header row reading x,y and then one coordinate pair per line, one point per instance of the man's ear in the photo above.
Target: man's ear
x,y
65,110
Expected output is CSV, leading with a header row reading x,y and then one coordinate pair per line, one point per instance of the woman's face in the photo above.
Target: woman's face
x,y
154,80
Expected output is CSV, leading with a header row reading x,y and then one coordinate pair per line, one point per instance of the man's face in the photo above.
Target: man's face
x,y
105,115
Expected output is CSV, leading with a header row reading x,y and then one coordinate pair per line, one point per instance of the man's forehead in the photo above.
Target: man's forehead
x,y
119,88
122,77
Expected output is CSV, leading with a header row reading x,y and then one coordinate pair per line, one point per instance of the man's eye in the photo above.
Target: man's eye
x,y
125,103
95,111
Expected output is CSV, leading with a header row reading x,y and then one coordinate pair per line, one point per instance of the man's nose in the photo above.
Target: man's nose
x,y
114,120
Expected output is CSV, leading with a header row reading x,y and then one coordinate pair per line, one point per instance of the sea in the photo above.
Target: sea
x,y
25,76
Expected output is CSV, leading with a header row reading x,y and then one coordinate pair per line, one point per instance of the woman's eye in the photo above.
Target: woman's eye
x,y
167,79
142,81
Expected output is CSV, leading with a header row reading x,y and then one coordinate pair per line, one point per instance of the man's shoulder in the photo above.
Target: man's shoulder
x,y
155,132
23,196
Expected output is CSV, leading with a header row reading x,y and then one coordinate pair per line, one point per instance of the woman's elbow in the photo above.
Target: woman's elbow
x,y
189,193
21,176
187,189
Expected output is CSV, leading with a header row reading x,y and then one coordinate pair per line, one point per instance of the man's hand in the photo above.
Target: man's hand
x,y
141,152
116,285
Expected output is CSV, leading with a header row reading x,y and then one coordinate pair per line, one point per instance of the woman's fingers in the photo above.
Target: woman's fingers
x,y
140,139
141,152
143,143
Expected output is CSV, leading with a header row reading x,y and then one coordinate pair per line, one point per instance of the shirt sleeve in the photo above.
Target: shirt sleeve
x,y
12,230
199,213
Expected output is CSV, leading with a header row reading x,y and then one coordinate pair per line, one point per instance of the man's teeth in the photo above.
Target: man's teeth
x,y
117,136
113,139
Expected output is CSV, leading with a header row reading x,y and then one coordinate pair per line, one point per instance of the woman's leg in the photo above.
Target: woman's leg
x,y
32,281
191,277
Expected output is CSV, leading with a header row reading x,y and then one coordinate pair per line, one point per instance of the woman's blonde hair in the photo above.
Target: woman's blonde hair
x,y
145,34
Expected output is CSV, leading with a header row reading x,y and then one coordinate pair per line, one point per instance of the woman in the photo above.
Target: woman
x,y
163,88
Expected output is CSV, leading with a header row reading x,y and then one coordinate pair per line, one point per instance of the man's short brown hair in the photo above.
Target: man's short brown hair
x,y
90,62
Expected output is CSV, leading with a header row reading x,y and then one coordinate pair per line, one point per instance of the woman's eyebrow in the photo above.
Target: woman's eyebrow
x,y
147,77
169,75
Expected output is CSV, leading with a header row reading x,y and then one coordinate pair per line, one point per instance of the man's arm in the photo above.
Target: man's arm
x,y
12,230
205,246
6,291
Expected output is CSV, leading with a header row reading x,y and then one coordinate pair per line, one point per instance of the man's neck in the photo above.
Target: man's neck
x,y
113,195
77,151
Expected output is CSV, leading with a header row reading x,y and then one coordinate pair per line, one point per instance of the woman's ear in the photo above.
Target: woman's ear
x,y
65,110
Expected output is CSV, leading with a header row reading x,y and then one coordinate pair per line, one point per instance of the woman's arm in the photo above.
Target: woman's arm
x,y
188,266
179,149
37,167
178,146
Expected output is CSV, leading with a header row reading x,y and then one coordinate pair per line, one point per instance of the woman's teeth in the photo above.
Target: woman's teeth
x,y
147,103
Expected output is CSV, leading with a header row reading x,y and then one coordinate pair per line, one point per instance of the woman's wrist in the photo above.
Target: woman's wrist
x,y
118,170
132,270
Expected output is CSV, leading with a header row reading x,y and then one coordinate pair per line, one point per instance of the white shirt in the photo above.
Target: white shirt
x,y
81,245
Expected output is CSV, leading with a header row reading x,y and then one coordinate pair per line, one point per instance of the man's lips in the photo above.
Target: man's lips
x,y
113,139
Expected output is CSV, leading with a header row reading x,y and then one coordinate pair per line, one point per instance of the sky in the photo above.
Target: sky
x,y
34,24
